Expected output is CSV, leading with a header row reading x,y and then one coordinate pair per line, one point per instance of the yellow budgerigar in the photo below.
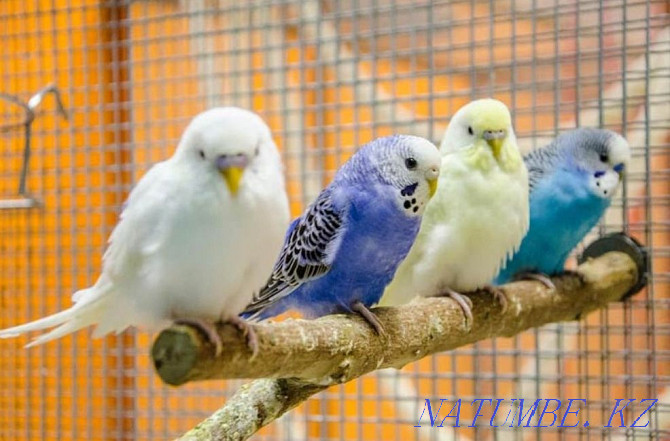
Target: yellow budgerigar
x,y
478,216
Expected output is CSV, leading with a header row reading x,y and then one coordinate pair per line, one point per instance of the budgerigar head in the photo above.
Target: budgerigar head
x,y
484,123
229,141
410,164
601,155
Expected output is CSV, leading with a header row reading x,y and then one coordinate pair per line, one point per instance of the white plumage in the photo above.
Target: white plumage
x,y
479,214
198,236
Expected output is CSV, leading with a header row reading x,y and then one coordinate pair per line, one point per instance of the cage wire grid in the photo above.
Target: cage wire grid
x,y
327,76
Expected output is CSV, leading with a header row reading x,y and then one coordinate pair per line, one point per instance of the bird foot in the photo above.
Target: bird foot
x,y
540,277
464,302
369,317
574,273
207,328
498,294
247,331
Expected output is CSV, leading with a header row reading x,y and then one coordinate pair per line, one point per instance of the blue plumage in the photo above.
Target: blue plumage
x,y
572,182
365,263
562,212
347,245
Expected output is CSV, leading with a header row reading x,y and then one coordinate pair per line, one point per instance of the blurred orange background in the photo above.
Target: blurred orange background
x,y
327,77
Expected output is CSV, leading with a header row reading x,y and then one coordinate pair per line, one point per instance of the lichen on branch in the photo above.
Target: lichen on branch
x,y
298,358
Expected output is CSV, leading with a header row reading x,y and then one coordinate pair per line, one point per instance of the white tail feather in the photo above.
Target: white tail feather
x,y
88,311
43,323
78,322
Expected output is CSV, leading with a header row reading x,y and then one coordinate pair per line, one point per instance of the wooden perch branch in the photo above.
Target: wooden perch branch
x,y
254,406
308,356
338,348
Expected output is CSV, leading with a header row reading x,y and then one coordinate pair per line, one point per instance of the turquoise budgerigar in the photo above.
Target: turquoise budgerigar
x,y
198,235
341,253
572,181
478,215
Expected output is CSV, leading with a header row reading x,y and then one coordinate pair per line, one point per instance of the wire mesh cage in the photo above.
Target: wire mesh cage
x,y
327,76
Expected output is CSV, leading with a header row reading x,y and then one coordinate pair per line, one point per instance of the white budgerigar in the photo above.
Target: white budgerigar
x,y
199,235
479,214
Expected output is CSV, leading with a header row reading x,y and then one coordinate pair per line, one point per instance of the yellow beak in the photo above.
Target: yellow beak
x,y
432,186
496,145
233,176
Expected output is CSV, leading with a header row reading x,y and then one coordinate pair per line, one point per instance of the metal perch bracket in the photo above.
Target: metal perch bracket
x,y
24,200
625,244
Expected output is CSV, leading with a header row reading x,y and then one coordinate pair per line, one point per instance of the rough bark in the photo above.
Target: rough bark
x,y
254,406
337,348
299,358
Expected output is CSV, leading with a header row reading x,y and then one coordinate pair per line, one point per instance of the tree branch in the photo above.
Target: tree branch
x,y
307,356
338,348
254,406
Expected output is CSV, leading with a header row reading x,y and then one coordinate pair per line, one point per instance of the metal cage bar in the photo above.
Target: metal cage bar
x,y
328,76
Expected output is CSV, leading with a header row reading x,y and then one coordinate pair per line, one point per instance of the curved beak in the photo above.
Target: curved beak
x,y
431,177
232,168
432,186
495,140
620,168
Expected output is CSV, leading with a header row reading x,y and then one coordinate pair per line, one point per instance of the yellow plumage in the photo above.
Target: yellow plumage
x,y
479,213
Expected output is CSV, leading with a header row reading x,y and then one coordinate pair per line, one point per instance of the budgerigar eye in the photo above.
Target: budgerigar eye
x,y
470,131
604,157
410,163
202,154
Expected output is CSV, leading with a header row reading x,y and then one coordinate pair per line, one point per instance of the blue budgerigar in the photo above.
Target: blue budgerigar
x,y
341,253
572,181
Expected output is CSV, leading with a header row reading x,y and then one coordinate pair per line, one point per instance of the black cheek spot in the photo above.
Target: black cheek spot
x,y
598,183
406,204
415,209
414,200
605,191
